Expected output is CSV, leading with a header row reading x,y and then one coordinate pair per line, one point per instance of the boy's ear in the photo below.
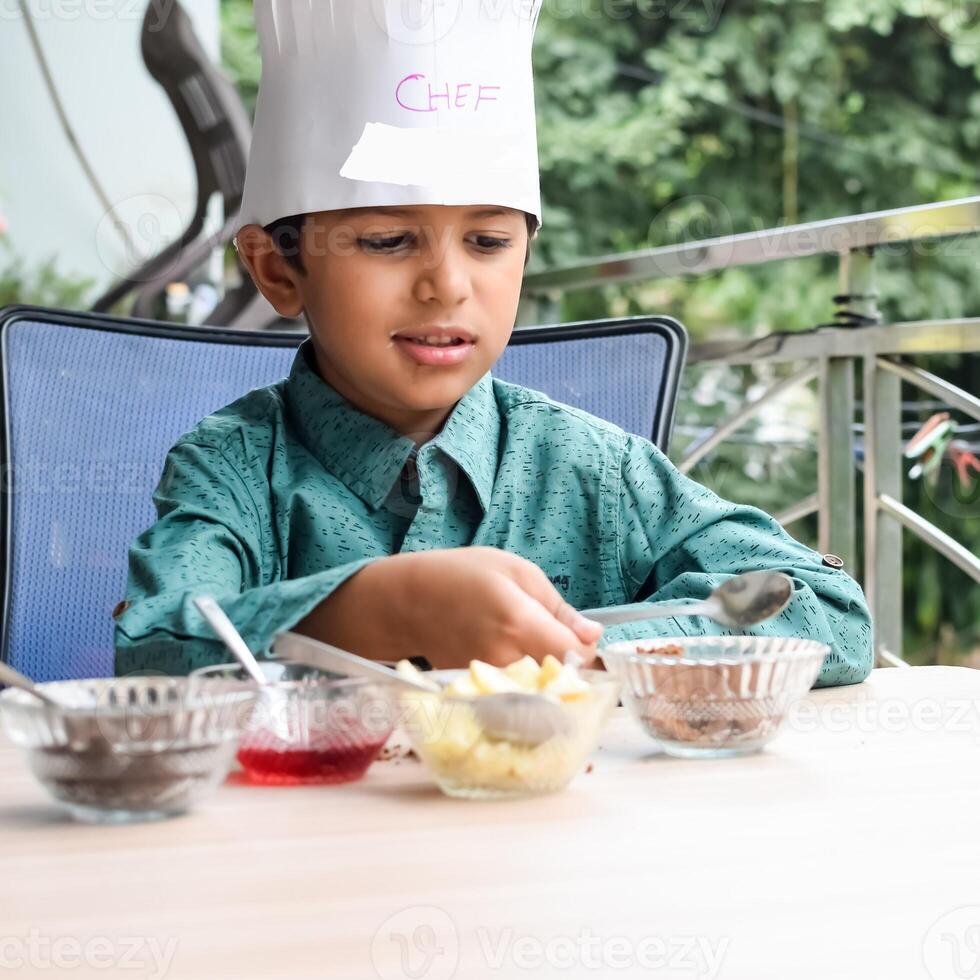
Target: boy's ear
x,y
273,276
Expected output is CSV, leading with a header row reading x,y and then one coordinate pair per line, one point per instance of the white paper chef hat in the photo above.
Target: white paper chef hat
x,y
393,102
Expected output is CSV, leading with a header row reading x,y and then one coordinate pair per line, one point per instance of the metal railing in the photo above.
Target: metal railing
x,y
831,356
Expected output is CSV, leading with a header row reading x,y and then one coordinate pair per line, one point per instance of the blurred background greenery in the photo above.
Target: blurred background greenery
x,y
663,121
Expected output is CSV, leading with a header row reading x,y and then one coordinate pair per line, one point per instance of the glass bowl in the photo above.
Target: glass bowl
x,y
716,696
129,749
467,762
310,726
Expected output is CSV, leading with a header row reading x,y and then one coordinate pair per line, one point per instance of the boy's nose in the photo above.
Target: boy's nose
x,y
444,278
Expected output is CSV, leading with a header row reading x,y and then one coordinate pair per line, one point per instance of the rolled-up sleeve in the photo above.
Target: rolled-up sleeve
x,y
678,540
211,537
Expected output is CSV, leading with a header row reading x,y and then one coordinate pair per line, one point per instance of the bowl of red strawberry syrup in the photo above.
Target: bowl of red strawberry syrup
x,y
310,726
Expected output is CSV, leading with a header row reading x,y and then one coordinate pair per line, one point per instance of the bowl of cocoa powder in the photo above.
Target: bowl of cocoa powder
x,y
714,696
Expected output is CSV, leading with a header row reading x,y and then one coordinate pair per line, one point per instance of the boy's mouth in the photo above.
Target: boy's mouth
x,y
436,345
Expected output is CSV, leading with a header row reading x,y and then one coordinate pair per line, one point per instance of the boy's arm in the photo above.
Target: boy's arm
x,y
678,540
210,537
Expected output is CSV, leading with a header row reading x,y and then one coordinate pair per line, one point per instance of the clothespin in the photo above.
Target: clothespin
x,y
964,461
929,444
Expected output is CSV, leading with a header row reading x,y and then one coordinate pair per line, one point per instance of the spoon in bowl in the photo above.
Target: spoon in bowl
x,y
518,717
232,639
14,678
514,716
743,600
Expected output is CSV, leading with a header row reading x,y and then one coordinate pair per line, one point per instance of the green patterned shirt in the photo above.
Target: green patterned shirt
x,y
275,500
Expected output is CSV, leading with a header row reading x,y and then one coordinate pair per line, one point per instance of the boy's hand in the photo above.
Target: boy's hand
x,y
452,606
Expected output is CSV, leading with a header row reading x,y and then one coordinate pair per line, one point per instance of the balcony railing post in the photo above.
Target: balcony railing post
x,y
857,299
836,481
882,475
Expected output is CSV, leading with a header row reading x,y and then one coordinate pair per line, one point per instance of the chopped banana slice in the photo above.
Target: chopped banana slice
x,y
491,680
525,672
568,685
462,687
408,670
551,668
563,682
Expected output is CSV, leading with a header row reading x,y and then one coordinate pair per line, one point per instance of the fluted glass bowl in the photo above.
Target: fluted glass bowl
x,y
129,749
310,726
715,696
467,762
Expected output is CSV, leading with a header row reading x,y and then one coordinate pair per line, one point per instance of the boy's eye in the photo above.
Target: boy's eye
x,y
380,245
395,243
490,244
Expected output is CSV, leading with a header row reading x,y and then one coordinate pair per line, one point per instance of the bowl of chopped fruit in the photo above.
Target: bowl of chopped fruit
x,y
498,733
713,696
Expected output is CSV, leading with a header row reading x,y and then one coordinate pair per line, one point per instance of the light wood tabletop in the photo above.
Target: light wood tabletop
x,y
849,848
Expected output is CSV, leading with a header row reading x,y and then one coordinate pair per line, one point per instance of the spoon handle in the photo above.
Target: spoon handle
x,y
14,678
231,638
295,646
633,611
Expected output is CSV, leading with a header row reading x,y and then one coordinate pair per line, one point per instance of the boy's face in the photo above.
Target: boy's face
x,y
384,288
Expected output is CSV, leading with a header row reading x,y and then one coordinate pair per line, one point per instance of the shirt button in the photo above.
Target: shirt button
x,y
832,561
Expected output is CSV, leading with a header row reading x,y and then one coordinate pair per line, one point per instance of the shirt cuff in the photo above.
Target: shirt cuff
x,y
166,634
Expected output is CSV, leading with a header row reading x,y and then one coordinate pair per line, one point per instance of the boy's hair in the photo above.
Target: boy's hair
x,y
285,234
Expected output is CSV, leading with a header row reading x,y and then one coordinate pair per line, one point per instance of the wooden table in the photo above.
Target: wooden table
x,y
833,854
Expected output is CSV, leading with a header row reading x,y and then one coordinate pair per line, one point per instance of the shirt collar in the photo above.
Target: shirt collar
x,y
471,437
368,455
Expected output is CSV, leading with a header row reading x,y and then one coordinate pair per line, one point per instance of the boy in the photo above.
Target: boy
x,y
390,496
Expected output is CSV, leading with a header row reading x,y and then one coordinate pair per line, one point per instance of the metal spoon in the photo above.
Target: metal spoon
x,y
14,678
325,656
231,638
516,716
743,600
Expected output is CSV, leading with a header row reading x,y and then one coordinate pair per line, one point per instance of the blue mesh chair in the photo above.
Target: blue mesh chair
x,y
91,404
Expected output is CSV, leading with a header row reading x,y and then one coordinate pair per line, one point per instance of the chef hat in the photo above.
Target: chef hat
x,y
368,103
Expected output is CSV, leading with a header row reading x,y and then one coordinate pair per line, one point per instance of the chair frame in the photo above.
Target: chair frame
x,y
669,329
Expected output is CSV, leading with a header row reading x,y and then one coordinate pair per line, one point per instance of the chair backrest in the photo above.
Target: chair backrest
x,y
90,405
625,371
